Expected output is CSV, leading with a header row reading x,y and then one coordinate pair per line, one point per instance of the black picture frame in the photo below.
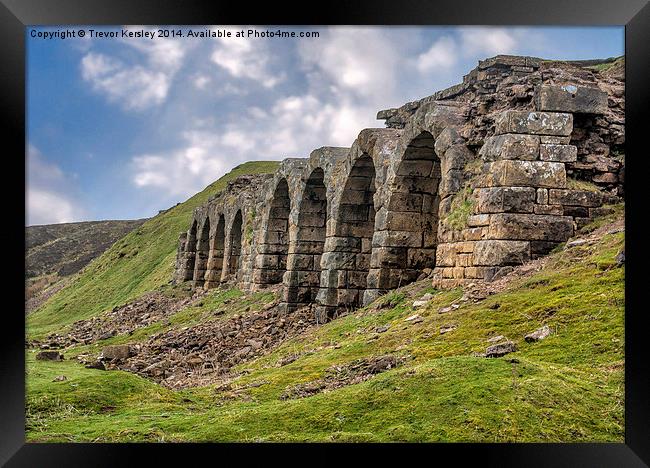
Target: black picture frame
x,y
16,15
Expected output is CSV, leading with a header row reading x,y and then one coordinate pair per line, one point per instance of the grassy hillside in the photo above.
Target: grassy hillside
x,y
141,261
568,387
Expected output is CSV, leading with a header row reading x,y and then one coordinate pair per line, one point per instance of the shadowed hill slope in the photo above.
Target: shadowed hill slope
x,y
139,262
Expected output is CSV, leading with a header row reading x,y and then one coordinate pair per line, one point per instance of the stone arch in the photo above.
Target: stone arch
x,y
202,253
215,260
190,248
271,263
231,261
302,278
346,261
404,243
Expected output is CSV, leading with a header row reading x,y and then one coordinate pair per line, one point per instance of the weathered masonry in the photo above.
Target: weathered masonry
x,y
459,187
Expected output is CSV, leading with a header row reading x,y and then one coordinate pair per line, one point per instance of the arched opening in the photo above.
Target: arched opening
x,y
215,261
347,252
190,249
235,245
302,278
271,263
202,253
405,240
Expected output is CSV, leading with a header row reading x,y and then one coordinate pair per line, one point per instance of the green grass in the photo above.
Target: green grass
x,y
141,261
461,208
566,388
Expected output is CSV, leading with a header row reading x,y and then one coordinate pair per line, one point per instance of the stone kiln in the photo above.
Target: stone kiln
x,y
460,186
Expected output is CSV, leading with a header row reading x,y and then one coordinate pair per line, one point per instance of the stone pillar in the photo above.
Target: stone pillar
x,y
522,207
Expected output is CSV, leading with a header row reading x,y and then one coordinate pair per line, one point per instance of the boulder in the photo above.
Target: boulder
x,y
49,356
538,334
116,352
500,349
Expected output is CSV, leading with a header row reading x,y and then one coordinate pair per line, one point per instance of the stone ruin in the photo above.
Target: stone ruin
x,y
459,187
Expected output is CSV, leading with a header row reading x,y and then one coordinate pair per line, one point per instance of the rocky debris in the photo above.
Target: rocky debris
x,y
415,318
444,310
147,309
206,352
500,349
340,376
59,378
447,328
287,360
424,300
575,243
49,356
382,329
620,258
538,334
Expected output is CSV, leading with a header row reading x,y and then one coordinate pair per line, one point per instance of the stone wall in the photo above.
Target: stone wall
x,y
460,186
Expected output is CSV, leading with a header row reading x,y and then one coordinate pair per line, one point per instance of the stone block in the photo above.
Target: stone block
x,y
510,146
418,168
574,198
558,153
527,173
549,210
411,202
456,157
576,211
390,257
448,137
338,260
342,244
554,140
478,220
474,233
397,239
571,98
506,199
530,227
501,252
300,262
534,123
421,258
542,196
605,178
446,255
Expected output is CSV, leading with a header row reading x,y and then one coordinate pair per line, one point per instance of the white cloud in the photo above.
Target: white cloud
x,y
141,82
487,41
442,54
362,61
49,196
246,58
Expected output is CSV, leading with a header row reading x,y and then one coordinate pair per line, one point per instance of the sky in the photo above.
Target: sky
x,y
122,127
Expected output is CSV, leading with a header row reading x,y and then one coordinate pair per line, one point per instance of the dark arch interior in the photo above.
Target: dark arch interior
x,y
412,217
215,261
356,225
190,248
304,279
202,253
276,245
235,244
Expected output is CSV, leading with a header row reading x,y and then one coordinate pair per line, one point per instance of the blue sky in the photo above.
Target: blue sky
x,y
121,128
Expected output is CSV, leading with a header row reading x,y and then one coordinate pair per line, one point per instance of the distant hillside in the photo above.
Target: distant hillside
x,y
141,261
66,248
